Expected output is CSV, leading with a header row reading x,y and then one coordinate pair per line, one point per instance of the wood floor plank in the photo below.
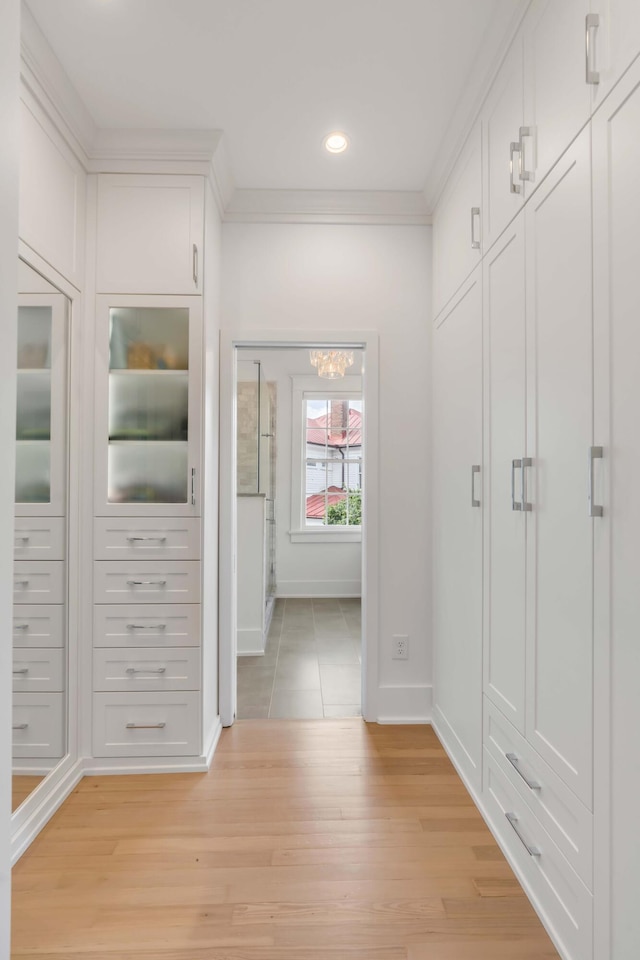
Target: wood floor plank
x,y
307,840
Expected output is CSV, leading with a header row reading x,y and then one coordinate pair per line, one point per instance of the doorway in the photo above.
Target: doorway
x,y
298,636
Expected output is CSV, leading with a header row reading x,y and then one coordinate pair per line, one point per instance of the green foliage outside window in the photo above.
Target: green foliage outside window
x,y
337,512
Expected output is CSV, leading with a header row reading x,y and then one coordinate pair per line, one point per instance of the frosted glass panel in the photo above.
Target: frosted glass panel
x,y
148,404
148,472
148,338
33,472
33,405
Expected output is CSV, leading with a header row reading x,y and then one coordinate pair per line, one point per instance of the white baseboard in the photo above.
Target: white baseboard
x,y
250,643
400,703
211,742
38,809
451,742
476,796
126,766
320,589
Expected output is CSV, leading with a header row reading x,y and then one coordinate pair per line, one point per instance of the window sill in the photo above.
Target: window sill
x,y
326,536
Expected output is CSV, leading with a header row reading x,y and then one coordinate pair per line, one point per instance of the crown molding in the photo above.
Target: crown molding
x,y
492,51
392,207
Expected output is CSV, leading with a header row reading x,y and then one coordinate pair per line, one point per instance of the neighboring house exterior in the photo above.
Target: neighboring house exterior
x,y
333,458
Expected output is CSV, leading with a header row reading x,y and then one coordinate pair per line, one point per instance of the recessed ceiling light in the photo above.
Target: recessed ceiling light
x,y
336,142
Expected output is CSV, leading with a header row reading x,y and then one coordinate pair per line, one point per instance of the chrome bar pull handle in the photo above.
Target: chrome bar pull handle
x,y
532,851
514,148
514,761
526,462
595,453
193,486
21,626
195,264
523,173
20,726
137,539
146,583
21,583
475,212
146,726
592,23
474,469
515,465
146,626
21,671
132,670
22,539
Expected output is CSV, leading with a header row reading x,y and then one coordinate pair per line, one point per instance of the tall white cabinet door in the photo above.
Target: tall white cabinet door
x,y
457,224
502,116
560,432
616,198
557,96
457,460
615,42
504,445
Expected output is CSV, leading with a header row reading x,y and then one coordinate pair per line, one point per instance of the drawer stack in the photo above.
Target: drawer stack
x,y
544,826
38,642
146,635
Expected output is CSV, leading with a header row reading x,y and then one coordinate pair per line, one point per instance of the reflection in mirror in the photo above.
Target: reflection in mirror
x,y
39,614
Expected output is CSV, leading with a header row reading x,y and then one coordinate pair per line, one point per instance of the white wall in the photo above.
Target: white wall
x,y
344,277
9,52
303,569
213,241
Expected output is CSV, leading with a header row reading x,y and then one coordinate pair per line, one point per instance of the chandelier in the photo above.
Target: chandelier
x,y
331,364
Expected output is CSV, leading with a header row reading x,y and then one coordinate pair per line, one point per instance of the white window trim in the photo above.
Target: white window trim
x,y
348,388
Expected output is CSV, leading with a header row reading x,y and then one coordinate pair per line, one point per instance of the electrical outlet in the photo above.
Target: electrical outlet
x,y
400,646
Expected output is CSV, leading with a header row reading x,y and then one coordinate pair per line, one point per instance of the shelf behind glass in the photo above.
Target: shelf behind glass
x,y
149,338
148,472
33,405
146,405
34,337
33,471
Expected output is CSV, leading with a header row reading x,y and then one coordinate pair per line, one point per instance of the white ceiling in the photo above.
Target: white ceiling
x,y
278,75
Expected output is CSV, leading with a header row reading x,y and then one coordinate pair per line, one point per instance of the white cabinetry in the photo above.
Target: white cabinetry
x,y
457,479
615,41
150,234
616,194
457,224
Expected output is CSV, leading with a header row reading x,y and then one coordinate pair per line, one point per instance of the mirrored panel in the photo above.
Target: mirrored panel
x,y
39,630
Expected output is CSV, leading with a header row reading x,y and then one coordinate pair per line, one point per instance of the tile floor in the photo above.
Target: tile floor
x,y
311,666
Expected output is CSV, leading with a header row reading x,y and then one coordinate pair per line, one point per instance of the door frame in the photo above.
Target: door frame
x,y
364,340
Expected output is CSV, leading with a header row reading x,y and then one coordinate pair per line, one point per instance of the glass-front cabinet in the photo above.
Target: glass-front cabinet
x,y
41,406
148,410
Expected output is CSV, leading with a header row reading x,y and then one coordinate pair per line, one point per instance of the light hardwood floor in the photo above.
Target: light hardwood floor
x,y
307,840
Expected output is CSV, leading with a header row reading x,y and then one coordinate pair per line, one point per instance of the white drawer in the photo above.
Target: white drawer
x,y
146,539
38,671
564,817
146,669
38,538
139,581
146,724
35,582
562,898
38,725
38,625
136,625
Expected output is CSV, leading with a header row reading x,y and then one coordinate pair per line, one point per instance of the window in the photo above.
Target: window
x,y
332,461
327,460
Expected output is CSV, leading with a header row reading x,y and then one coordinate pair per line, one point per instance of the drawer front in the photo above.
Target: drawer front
x,y
152,669
38,538
135,625
38,671
560,894
142,582
38,727
146,539
568,822
146,725
35,582
38,625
